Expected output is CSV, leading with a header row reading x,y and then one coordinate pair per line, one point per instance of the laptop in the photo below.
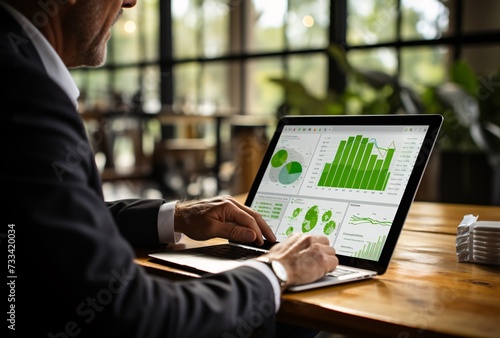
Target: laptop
x,y
351,178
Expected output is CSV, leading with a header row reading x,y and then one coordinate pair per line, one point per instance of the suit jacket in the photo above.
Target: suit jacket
x,y
74,257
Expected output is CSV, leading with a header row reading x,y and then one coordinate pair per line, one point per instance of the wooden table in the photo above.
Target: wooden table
x,y
424,293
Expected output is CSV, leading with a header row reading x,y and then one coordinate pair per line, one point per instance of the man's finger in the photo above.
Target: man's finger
x,y
266,231
264,227
238,233
243,219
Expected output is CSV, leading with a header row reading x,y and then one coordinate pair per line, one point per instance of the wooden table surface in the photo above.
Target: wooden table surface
x,y
424,293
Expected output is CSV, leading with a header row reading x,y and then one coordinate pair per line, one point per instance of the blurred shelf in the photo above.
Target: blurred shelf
x,y
135,173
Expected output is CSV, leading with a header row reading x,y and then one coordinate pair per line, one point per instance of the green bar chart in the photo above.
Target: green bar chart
x,y
359,163
372,250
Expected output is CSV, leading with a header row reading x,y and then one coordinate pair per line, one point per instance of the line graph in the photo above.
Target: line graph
x,y
357,220
382,151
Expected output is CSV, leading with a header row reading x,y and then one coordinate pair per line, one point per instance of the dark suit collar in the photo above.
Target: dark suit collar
x,y
13,38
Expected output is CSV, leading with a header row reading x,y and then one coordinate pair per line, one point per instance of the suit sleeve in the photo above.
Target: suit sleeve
x,y
76,271
137,220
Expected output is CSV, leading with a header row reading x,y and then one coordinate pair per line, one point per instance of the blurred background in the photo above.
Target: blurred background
x,y
192,89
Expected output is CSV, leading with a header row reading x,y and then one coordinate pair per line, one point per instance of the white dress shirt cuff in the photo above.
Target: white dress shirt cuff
x,y
270,275
166,232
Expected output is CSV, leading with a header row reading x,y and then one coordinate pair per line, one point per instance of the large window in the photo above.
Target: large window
x,y
225,52
201,56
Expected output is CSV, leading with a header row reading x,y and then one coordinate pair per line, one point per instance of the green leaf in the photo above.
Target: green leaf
x,y
462,74
375,78
463,105
338,54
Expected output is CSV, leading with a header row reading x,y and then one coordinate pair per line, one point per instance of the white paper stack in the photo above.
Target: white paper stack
x,y
478,241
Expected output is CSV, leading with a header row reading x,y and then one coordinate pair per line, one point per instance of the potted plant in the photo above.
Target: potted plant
x,y
470,139
366,92
466,164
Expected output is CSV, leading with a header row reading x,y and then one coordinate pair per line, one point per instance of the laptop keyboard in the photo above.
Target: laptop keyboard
x,y
228,251
340,272
239,253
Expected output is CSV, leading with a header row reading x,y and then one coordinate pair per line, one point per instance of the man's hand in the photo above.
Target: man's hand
x,y
221,217
305,257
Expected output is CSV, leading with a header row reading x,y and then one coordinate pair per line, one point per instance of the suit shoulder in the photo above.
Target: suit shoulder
x,y
25,86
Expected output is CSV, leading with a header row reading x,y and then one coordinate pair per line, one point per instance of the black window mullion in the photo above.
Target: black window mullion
x,y
166,54
399,22
459,16
244,8
337,36
285,64
200,37
142,45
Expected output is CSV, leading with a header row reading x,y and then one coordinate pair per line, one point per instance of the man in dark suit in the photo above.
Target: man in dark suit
x,y
73,253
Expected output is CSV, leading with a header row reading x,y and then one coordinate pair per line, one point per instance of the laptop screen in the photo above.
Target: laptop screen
x,y
345,181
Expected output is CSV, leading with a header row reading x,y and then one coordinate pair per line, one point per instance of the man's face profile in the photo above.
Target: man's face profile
x,y
86,28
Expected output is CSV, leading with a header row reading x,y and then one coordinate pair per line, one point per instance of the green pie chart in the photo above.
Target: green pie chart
x,y
329,228
279,158
296,212
311,219
326,216
290,173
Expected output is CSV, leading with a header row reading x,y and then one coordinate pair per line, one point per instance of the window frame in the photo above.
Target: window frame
x,y
456,41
